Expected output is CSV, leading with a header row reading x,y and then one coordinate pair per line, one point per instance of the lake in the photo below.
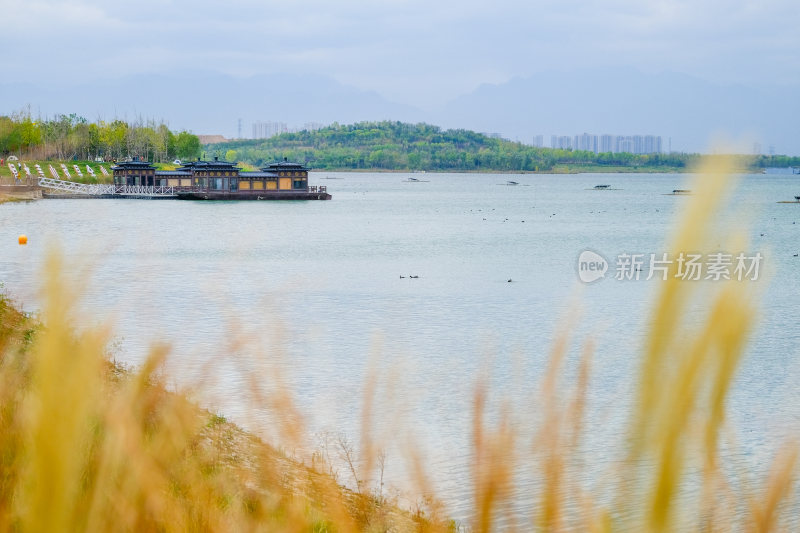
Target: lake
x,y
324,292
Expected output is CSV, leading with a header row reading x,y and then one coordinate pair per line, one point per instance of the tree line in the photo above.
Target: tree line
x,y
386,145
400,146
391,145
71,136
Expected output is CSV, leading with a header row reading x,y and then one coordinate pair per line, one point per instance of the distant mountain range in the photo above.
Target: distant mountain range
x,y
208,103
687,110
690,111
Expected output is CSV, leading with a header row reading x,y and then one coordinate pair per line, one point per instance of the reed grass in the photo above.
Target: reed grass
x,y
86,445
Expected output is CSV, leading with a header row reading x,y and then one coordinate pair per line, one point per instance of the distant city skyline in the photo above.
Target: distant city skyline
x,y
597,143
266,129
634,144
605,143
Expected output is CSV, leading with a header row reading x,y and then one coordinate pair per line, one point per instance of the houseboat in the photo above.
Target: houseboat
x,y
220,180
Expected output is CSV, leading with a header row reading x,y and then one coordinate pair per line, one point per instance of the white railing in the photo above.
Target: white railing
x,y
142,190
97,190
75,188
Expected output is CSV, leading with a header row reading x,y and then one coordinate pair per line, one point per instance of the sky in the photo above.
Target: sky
x,y
683,69
421,53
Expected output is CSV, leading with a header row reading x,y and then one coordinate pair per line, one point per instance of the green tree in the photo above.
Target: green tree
x,y
187,146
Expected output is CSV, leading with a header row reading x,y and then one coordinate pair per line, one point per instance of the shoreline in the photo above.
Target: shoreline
x,y
19,193
6,177
510,172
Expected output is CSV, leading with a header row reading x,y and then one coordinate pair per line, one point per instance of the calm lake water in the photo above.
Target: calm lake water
x,y
323,290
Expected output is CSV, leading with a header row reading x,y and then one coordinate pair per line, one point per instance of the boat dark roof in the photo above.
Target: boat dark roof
x,y
131,165
208,165
283,165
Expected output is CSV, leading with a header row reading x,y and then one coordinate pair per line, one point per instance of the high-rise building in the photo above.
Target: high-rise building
x,y
652,144
606,143
638,144
265,130
634,144
589,142
624,144
538,141
563,142
585,142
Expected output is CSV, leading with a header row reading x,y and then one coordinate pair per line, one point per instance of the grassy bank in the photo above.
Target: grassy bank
x,y
87,445
7,177
5,173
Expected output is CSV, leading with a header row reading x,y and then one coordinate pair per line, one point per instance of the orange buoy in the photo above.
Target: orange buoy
x,y
23,239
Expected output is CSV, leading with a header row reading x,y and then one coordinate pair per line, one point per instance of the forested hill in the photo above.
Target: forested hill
x,y
401,146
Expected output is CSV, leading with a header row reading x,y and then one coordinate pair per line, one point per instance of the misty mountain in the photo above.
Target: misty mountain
x,y
622,101
626,101
208,103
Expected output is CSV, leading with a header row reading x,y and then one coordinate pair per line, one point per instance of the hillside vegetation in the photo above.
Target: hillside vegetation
x,y
381,146
408,147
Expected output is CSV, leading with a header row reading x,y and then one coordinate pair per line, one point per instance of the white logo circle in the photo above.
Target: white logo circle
x,y
591,266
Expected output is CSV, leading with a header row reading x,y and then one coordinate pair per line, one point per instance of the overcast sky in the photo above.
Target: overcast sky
x,y
410,51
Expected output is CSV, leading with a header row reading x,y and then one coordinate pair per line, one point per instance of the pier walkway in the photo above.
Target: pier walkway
x,y
129,191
